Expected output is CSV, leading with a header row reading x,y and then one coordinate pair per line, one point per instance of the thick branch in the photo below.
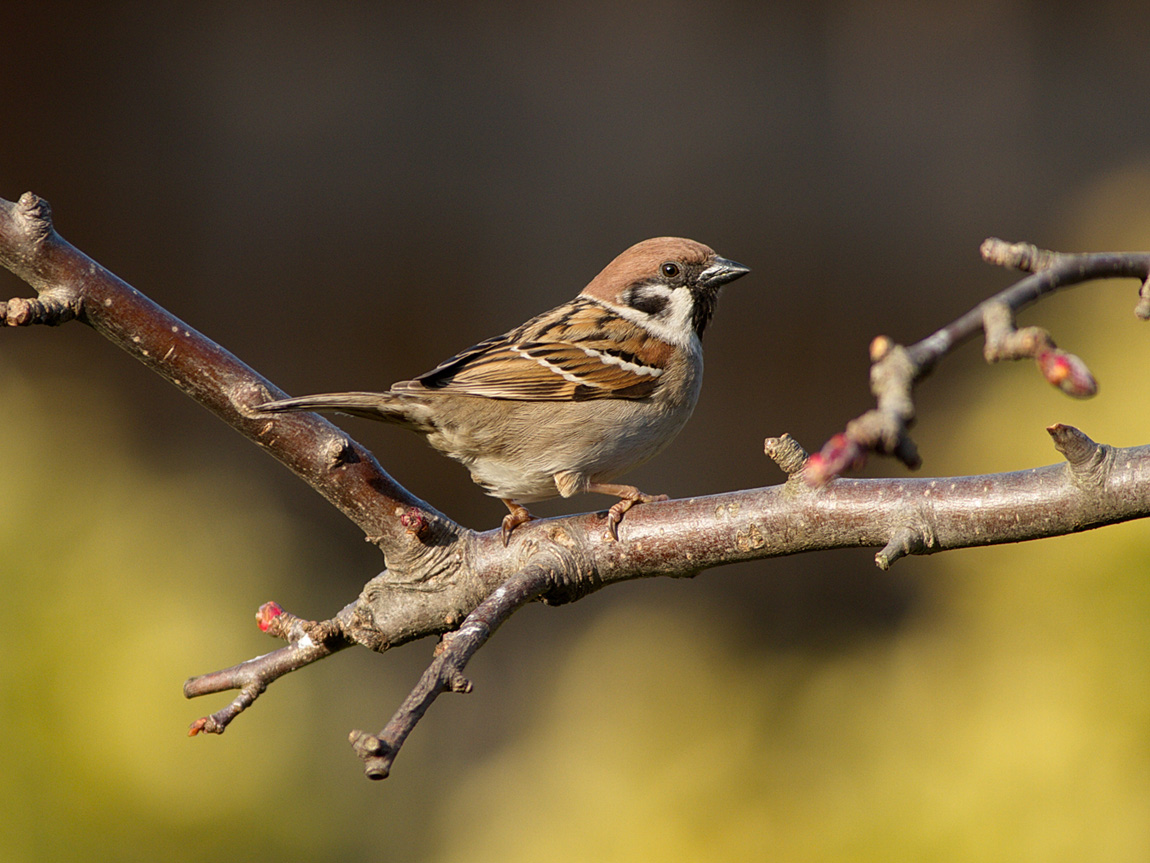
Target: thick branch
x,y
570,557
325,457
681,538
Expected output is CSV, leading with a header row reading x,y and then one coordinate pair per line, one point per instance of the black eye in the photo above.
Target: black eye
x,y
669,269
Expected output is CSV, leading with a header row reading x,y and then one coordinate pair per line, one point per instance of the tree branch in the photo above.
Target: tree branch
x,y
445,674
72,285
309,642
442,578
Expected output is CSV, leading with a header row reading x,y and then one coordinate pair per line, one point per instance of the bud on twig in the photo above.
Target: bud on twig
x,y
1068,373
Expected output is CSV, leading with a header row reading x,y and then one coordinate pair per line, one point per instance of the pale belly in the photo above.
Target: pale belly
x,y
579,444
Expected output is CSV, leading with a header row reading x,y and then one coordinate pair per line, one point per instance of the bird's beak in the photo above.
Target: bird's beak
x,y
720,272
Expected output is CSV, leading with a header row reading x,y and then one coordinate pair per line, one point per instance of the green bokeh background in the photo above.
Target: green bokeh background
x,y
332,182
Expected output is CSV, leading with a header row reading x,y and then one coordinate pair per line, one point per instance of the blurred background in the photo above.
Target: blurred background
x,y
345,194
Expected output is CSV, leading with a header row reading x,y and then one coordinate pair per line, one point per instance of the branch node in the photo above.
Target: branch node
x,y
50,308
787,453
340,451
218,722
34,216
904,541
458,683
884,432
1073,443
367,743
1086,459
1004,341
892,376
375,752
31,217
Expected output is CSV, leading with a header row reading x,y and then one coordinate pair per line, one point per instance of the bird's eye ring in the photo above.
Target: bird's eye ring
x,y
669,269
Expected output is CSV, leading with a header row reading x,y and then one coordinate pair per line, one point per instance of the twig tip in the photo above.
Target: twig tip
x,y
266,615
1074,444
904,541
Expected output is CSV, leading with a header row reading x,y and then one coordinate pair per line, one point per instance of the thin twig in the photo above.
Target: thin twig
x,y
897,369
445,674
252,677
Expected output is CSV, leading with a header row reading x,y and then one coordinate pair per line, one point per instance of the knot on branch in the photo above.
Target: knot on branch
x,y
567,560
33,215
882,429
428,554
49,309
892,376
377,754
24,232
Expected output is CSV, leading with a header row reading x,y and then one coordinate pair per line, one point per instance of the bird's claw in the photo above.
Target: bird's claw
x,y
615,513
518,515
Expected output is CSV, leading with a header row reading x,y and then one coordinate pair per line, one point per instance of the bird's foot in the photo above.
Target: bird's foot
x,y
518,515
628,496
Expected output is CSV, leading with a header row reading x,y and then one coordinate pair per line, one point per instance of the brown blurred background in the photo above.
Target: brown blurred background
x,y
344,194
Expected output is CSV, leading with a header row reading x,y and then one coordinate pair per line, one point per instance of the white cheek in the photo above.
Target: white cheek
x,y
678,313
672,324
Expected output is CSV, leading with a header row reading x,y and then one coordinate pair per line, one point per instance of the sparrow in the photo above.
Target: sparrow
x,y
574,397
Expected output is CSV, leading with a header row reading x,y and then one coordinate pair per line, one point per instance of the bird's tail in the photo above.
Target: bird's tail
x,y
374,406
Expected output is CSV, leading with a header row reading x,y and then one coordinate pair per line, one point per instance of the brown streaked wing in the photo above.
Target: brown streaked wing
x,y
540,361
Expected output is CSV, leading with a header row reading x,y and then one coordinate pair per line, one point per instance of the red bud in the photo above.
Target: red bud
x,y
413,522
268,612
1068,373
841,453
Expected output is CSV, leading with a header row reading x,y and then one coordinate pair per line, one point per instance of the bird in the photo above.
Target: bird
x,y
574,397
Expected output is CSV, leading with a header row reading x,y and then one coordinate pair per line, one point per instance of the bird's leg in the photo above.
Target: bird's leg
x,y
628,496
518,515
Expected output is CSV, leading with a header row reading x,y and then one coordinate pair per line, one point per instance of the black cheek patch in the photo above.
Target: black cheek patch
x,y
649,302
